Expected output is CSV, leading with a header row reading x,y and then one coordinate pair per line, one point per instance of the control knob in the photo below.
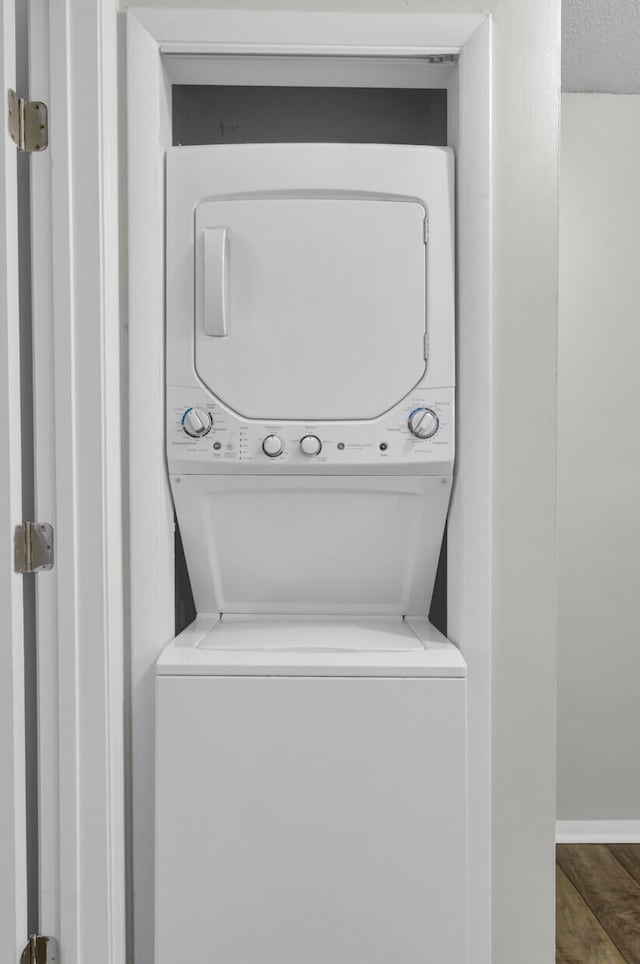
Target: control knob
x,y
423,422
272,446
197,422
311,445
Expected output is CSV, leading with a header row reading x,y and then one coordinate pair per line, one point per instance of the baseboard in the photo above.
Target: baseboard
x,y
598,831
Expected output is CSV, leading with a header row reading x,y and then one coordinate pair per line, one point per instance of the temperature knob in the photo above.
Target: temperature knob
x,y
272,446
311,445
196,422
423,423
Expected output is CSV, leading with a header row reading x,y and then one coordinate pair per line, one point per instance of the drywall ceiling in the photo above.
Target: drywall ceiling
x,y
601,46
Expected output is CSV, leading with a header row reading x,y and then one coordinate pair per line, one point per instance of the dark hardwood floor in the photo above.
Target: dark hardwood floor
x,y
598,903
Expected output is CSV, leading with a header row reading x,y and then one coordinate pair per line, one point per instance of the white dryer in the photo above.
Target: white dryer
x,y
311,723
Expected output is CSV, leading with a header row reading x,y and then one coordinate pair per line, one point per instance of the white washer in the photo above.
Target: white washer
x,y
311,793
311,723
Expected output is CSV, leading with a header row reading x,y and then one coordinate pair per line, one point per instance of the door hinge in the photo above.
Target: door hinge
x,y
33,547
40,950
426,346
28,123
426,231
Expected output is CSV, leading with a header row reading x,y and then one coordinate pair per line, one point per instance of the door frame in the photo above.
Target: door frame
x,y
13,814
181,45
78,442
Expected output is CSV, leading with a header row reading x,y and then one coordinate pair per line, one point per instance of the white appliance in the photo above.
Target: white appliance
x,y
311,723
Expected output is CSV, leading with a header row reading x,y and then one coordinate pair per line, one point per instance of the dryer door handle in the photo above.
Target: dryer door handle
x,y
215,257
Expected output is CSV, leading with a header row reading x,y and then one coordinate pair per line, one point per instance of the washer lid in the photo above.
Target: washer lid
x,y
312,307
413,648
321,634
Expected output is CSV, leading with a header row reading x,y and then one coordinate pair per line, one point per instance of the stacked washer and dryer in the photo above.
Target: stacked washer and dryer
x,y
310,723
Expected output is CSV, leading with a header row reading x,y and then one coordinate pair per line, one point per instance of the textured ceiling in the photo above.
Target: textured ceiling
x,y
601,46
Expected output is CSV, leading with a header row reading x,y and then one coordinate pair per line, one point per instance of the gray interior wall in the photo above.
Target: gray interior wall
x,y
601,46
599,459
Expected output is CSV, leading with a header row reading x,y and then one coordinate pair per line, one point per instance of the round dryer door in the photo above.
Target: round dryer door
x,y
310,308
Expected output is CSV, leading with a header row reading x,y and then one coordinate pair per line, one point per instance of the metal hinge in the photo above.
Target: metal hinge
x,y
40,950
28,123
426,230
426,346
33,547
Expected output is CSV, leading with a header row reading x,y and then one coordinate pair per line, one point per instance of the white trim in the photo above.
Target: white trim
x,y
45,491
598,831
362,52
151,528
306,71
469,543
260,31
151,533
13,853
78,480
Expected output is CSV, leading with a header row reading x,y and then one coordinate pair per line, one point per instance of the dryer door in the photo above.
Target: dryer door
x,y
310,307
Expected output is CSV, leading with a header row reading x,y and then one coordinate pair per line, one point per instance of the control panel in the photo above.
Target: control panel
x,y
203,435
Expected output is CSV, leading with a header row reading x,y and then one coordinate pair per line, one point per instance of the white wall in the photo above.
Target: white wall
x,y
599,459
525,123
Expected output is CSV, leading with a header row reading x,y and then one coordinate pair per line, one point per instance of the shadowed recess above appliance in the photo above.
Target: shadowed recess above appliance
x,y
349,115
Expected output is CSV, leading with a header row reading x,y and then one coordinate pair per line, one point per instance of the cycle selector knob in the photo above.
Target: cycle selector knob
x,y
272,446
311,445
197,422
423,422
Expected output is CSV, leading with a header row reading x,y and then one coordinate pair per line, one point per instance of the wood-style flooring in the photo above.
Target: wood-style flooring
x,y
598,903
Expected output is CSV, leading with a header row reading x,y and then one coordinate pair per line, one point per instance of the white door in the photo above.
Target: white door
x,y
13,884
310,307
